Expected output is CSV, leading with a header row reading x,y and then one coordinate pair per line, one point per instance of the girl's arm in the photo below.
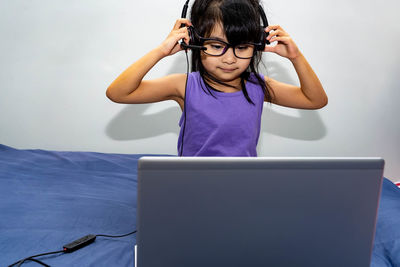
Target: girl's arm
x,y
310,94
129,86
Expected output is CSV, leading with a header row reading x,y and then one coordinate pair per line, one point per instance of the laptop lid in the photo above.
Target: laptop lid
x,y
257,211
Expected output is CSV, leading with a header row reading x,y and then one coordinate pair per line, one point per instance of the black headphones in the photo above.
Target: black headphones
x,y
194,42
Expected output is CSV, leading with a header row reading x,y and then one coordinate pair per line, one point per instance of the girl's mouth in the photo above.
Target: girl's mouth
x,y
227,69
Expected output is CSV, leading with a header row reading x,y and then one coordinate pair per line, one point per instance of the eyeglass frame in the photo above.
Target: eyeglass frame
x,y
228,45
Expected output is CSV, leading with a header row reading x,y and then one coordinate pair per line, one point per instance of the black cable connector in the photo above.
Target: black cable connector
x,y
79,243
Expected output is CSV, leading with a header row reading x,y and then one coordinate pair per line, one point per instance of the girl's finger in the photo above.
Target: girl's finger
x,y
277,33
183,34
274,27
180,36
283,39
177,35
184,29
179,22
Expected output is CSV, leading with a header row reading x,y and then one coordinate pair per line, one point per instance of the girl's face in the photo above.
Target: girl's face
x,y
227,68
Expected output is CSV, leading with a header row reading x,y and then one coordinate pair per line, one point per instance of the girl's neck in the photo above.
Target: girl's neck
x,y
234,85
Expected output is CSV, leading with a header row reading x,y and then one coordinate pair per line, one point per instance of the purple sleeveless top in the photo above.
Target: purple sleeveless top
x,y
224,125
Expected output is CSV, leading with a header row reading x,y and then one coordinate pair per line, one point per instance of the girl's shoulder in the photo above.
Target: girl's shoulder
x,y
195,75
178,80
194,79
253,77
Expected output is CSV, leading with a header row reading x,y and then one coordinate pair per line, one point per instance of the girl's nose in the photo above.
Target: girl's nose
x,y
229,57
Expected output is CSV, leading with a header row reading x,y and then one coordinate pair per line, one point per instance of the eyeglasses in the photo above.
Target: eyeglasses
x,y
216,47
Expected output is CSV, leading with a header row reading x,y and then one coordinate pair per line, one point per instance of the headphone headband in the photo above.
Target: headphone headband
x,y
263,16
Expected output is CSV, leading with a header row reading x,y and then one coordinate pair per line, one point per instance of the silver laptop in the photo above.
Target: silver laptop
x,y
226,211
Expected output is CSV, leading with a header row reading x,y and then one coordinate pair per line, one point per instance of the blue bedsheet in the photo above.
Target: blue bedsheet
x,y
50,198
387,237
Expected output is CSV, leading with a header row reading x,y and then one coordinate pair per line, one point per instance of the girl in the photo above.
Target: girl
x,y
222,98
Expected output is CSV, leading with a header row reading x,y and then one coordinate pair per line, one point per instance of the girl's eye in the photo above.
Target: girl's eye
x,y
242,47
216,46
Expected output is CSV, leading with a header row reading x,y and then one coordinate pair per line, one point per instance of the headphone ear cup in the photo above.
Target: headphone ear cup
x,y
192,36
263,40
266,34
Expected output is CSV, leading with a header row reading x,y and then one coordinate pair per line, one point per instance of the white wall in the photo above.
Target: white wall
x,y
58,57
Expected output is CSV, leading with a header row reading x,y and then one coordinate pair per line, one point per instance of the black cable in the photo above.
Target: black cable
x,y
117,236
38,261
34,256
67,248
184,102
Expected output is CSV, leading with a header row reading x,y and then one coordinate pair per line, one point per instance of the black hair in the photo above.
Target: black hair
x,y
241,23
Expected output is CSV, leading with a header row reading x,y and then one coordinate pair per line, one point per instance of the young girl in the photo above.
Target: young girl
x,y
222,98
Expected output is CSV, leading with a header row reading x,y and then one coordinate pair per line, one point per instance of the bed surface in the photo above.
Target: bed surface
x,y
51,198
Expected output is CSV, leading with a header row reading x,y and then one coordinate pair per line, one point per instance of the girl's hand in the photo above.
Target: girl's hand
x,y
170,45
285,46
